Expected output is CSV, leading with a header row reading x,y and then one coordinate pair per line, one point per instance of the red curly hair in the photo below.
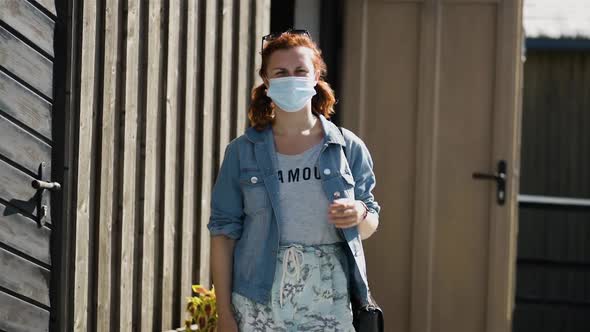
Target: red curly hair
x,y
261,110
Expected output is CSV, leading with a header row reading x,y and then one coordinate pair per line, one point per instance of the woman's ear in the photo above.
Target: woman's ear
x,y
265,81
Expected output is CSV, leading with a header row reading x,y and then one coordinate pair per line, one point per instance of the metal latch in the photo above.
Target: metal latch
x,y
41,185
499,177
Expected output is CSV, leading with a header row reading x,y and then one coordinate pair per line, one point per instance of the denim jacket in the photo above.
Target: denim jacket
x,y
245,206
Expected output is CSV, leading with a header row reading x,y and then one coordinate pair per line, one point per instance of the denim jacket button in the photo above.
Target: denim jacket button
x,y
254,179
327,171
337,194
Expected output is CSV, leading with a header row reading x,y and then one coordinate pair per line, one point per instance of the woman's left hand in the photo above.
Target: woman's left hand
x,y
346,212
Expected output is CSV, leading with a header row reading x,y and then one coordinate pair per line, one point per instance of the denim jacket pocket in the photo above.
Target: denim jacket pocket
x,y
349,183
348,179
255,195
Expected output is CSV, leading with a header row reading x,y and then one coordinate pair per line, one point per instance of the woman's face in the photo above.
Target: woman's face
x,y
295,61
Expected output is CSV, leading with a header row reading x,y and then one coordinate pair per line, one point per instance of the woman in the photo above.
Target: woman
x,y
291,203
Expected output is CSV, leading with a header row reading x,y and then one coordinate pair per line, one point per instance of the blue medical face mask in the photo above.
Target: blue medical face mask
x,y
291,93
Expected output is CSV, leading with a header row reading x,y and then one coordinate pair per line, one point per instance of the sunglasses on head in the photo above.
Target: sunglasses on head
x,y
274,35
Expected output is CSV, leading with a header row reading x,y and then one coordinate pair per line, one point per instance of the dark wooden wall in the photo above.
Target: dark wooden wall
x,y
553,277
556,124
163,87
26,141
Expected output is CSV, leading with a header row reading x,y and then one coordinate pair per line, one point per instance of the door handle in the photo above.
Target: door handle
x,y
41,185
51,186
500,178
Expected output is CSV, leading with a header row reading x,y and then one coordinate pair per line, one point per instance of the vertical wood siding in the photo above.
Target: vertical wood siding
x,y
553,271
556,125
164,86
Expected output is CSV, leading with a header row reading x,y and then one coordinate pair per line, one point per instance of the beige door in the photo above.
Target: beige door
x,y
433,87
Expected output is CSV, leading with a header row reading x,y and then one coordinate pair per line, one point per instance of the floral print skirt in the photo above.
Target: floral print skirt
x,y
309,293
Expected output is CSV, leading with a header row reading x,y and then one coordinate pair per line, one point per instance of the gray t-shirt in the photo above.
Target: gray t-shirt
x,y
303,203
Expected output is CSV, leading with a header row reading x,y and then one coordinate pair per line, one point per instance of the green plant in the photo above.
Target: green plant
x,y
203,309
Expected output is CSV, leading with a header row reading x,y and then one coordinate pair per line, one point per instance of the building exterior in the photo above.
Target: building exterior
x,y
554,217
128,105
433,87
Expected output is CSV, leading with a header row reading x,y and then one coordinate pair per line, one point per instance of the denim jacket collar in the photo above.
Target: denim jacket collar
x,y
332,134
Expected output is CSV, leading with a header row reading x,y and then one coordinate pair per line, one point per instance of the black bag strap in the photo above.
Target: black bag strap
x,y
367,318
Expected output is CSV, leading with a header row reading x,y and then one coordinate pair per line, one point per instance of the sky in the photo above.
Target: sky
x,y
557,18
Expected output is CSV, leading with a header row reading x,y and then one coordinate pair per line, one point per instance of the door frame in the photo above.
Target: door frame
x,y
506,145
66,80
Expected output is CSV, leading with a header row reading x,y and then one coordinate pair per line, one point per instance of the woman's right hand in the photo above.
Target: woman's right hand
x,y
227,323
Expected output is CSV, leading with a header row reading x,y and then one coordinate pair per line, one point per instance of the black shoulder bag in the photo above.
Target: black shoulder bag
x,y
367,318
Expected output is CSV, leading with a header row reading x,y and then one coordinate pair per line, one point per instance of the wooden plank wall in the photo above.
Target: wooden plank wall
x,y
164,86
26,140
553,270
556,124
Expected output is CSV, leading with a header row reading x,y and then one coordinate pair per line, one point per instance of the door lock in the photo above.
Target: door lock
x,y
500,178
